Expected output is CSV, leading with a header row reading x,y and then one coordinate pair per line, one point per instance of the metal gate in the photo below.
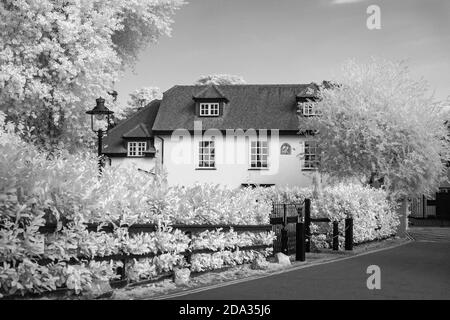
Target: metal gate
x,y
283,219
422,208
443,204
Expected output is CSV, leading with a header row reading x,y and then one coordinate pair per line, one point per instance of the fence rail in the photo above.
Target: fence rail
x,y
148,228
348,230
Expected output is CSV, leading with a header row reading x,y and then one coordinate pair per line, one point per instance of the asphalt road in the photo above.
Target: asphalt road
x,y
417,270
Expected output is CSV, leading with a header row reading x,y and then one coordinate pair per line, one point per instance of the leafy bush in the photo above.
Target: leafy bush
x,y
38,187
213,204
203,261
284,194
374,216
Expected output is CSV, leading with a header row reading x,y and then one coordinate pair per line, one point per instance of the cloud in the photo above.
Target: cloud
x,y
346,1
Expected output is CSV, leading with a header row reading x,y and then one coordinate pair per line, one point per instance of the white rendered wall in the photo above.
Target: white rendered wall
x,y
232,163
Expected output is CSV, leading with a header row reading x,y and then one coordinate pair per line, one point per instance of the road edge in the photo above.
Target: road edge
x,y
294,268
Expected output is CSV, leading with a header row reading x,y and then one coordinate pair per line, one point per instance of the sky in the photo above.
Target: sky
x,y
294,41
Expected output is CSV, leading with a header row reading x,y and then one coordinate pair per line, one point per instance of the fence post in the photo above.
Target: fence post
x,y
335,236
349,234
308,225
284,241
188,254
300,241
122,271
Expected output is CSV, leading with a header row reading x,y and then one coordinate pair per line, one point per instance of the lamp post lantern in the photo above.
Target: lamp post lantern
x,y
100,115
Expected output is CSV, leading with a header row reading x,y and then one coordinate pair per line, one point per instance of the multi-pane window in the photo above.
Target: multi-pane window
x,y
259,152
206,154
309,109
209,109
136,148
311,155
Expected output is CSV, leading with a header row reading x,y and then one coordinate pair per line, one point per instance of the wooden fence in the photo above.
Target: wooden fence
x,y
148,228
348,229
283,218
292,223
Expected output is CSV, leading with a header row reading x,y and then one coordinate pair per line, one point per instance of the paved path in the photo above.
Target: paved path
x,y
436,234
416,270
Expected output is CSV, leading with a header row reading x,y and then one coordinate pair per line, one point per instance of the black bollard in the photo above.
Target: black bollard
x,y
335,236
308,225
349,234
300,241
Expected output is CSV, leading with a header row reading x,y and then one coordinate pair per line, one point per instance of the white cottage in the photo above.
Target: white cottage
x,y
235,135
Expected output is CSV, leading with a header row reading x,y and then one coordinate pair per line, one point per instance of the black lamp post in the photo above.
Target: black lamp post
x,y
99,115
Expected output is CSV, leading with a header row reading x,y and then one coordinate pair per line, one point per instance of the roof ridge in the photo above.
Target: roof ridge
x,y
243,85
143,127
139,126
209,89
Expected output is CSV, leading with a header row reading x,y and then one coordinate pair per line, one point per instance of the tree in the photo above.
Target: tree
x,y
380,125
220,79
138,99
56,57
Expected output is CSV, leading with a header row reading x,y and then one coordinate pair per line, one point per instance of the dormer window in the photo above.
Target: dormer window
x,y
210,109
136,148
307,101
309,109
209,101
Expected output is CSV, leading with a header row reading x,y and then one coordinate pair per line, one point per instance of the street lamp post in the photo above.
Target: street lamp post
x,y
99,114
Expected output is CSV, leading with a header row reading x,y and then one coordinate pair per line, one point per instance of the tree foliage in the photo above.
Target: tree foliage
x,y
220,79
56,57
379,124
138,99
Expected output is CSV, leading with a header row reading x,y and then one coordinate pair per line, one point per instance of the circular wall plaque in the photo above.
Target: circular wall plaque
x,y
285,148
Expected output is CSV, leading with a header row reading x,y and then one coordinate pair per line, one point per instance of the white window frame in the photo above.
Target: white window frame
x,y
136,148
309,109
258,154
209,109
206,154
310,151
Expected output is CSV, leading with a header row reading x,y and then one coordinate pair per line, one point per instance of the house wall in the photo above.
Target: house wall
x,y
232,162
